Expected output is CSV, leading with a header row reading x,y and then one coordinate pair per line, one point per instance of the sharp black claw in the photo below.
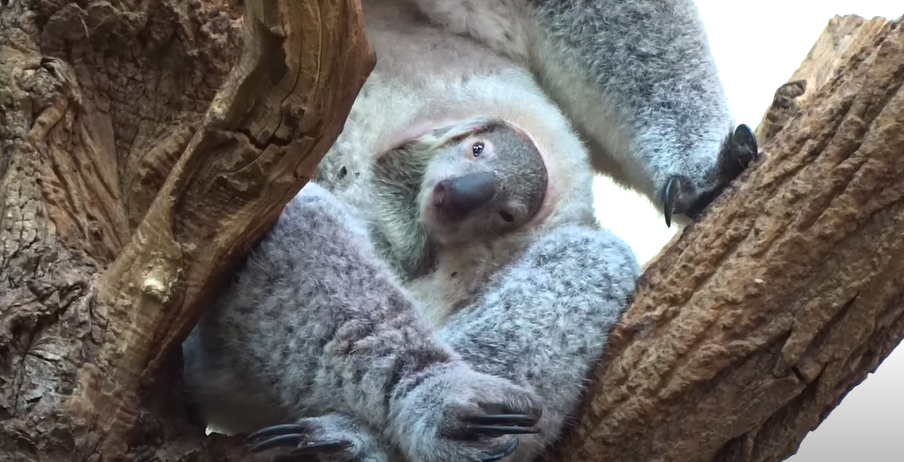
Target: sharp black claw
x,y
501,424
500,451
296,440
745,140
276,430
279,441
669,195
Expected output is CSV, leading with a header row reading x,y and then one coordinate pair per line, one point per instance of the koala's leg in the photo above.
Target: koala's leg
x,y
637,77
315,323
544,323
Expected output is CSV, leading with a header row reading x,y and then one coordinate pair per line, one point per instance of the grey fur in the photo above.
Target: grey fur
x,y
637,77
406,176
316,325
319,329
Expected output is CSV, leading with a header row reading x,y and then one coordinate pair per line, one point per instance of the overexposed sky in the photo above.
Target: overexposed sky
x,y
757,46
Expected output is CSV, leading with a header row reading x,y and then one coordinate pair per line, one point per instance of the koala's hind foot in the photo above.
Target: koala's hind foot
x,y
456,414
329,438
681,196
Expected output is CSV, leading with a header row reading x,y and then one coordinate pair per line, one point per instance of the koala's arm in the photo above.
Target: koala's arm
x,y
314,325
637,77
544,323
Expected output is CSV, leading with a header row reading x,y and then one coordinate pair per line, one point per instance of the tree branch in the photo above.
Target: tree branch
x,y
748,330
266,130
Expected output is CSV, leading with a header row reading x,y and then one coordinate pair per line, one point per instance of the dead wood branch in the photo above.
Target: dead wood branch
x,y
280,111
265,131
833,50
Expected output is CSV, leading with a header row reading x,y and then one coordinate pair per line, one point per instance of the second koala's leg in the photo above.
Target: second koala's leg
x,y
315,324
544,323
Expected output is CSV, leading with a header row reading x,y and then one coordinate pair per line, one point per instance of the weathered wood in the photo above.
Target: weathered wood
x,y
833,50
123,147
749,329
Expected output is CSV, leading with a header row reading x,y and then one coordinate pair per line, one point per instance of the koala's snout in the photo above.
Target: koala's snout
x,y
457,197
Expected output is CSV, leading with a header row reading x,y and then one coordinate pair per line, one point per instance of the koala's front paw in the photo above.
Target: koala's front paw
x,y
330,438
458,415
681,196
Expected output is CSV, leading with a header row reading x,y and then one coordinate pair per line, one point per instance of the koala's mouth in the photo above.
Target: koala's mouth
x,y
485,222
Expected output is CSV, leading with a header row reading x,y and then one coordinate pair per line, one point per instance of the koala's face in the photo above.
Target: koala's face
x,y
487,183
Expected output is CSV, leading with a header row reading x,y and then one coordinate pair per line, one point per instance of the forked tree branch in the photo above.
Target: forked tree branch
x,y
748,330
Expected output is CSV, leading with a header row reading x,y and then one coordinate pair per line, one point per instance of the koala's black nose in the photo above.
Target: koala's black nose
x,y
457,197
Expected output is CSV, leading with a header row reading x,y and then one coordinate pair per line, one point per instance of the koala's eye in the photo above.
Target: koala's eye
x,y
477,148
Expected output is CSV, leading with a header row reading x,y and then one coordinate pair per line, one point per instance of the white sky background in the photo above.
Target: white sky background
x,y
757,46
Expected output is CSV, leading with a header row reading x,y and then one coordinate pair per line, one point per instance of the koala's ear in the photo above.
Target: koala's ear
x,y
393,163
457,131
445,135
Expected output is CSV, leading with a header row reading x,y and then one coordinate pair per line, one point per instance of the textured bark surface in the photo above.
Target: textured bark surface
x,y
748,330
833,50
135,170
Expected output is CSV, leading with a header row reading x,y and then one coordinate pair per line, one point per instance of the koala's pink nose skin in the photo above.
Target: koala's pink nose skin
x,y
457,197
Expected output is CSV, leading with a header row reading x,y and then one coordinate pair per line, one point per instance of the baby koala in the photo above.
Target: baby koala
x,y
475,180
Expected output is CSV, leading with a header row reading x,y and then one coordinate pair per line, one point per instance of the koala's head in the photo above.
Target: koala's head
x,y
474,179
485,178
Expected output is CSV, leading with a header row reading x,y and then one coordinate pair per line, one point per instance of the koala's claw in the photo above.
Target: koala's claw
x,y
291,435
298,441
500,451
501,424
306,442
744,144
679,195
463,415
670,194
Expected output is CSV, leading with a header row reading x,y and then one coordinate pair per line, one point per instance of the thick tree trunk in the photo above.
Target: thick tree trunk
x,y
753,325
136,169
135,172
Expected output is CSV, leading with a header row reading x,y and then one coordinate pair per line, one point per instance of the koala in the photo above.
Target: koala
x,y
318,349
593,91
478,179
388,325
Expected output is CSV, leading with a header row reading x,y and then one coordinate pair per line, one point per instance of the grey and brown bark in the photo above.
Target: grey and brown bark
x,y
753,325
141,154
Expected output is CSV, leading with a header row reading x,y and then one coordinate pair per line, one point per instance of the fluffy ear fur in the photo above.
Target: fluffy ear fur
x,y
398,175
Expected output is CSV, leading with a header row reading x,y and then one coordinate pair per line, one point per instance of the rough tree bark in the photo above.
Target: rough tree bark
x,y
136,169
134,173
